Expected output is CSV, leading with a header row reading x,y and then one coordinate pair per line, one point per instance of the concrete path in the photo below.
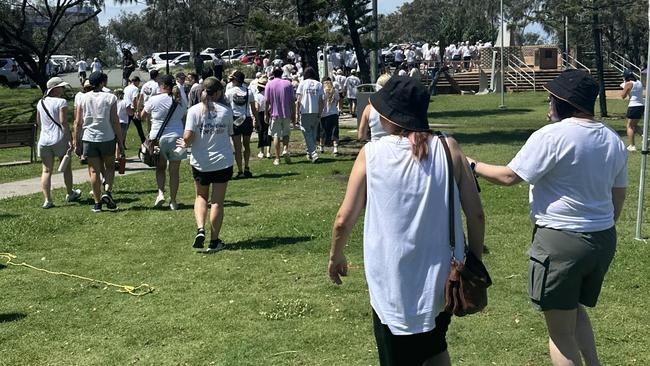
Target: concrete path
x,y
33,185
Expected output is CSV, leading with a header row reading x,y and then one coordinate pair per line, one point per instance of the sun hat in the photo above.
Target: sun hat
x,y
575,87
339,72
237,75
55,82
404,102
211,85
261,83
96,78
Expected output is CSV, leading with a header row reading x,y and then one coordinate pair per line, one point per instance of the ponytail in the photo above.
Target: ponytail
x,y
205,101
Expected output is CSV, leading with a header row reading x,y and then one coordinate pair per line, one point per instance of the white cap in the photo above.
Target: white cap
x,y
55,82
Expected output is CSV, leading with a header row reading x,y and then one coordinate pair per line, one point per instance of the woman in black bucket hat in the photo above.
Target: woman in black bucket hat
x,y
577,171
401,181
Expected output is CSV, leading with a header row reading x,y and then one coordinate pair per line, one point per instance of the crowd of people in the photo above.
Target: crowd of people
x,y
576,168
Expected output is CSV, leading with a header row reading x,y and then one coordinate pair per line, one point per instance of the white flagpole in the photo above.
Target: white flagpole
x,y
644,150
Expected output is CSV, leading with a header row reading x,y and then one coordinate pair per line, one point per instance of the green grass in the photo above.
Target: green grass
x,y
267,300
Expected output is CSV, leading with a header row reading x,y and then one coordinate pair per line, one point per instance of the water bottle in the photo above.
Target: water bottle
x,y
64,163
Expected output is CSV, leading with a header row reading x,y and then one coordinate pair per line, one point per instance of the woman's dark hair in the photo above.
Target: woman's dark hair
x,y
277,72
326,78
564,109
310,73
629,76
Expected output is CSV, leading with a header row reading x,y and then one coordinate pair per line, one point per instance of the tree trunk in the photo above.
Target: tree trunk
x,y
599,65
307,48
364,69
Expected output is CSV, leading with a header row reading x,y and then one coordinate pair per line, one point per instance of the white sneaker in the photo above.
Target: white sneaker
x,y
159,201
74,196
276,162
48,204
268,155
284,151
631,148
260,155
173,206
314,157
336,150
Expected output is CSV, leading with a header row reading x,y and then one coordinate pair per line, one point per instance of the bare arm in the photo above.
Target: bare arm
x,y
470,200
63,118
115,123
618,198
77,126
626,89
346,218
364,124
497,174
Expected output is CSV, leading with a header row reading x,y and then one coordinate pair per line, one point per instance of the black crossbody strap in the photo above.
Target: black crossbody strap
x,y
450,189
49,115
169,116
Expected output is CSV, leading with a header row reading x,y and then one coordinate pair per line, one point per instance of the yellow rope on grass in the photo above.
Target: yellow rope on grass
x,y
141,290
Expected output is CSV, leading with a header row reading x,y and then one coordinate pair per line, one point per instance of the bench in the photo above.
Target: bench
x,y
19,135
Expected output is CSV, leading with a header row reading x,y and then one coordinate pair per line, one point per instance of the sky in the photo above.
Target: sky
x,y
112,10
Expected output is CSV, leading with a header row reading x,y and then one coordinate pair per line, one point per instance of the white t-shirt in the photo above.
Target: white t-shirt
x,y
211,148
240,98
130,92
401,72
50,132
330,108
77,99
351,84
96,109
122,115
259,99
571,167
399,55
96,66
340,82
410,56
636,95
149,89
158,107
82,66
310,92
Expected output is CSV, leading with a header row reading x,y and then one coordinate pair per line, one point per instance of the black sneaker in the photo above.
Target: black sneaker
x,y
247,173
97,207
107,198
240,175
199,239
216,246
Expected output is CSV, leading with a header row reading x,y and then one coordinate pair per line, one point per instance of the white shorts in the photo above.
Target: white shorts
x,y
280,127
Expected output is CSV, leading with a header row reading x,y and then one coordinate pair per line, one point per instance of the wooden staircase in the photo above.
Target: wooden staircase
x,y
469,81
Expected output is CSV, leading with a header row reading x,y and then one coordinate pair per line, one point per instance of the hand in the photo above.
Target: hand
x,y
180,142
337,267
470,161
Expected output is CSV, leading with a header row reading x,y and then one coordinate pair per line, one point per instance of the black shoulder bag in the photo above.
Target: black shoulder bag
x,y
466,287
149,151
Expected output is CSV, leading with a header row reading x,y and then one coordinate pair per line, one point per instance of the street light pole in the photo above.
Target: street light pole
x,y
166,38
566,42
503,83
375,40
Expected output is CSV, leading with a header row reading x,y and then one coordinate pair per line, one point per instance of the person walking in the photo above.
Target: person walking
x,y
157,109
577,171
132,97
242,102
263,138
100,132
96,66
351,84
309,100
55,139
207,132
279,108
633,88
339,85
401,181
123,110
329,118
81,68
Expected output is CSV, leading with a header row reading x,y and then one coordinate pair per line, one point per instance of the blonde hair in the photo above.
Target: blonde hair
x,y
119,93
176,94
381,81
328,88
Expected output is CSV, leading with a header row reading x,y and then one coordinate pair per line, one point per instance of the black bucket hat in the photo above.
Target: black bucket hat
x,y
575,87
404,102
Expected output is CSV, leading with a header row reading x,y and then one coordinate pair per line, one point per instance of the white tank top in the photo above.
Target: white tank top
x,y
406,233
376,131
636,94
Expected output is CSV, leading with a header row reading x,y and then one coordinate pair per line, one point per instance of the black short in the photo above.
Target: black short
x,y
217,176
82,74
245,128
411,349
635,112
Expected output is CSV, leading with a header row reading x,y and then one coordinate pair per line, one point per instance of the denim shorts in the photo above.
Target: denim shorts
x,y
567,268
167,146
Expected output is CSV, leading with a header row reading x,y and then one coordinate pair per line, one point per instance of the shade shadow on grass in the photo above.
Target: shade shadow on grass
x,y
477,113
265,243
6,215
11,317
275,175
494,137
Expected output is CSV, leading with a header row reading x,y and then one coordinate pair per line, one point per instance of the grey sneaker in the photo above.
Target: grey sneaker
x,y
216,246
74,196
48,204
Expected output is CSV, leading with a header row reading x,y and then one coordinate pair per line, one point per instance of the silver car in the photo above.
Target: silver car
x,y
9,72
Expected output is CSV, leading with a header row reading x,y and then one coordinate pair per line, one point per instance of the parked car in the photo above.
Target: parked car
x,y
9,72
247,58
232,54
65,62
161,58
214,51
142,63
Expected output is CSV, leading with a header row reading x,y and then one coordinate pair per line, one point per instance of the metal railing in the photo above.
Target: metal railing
x,y
569,60
620,63
518,72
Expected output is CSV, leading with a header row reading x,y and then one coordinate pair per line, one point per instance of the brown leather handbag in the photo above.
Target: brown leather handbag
x,y
466,287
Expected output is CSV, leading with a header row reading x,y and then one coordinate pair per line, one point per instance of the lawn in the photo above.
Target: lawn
x,y
266,300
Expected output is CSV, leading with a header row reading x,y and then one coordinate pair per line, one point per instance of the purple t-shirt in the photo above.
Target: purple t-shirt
x,y
279,93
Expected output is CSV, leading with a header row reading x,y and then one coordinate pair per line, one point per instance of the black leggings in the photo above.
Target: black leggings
x,y
138,125
263,138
